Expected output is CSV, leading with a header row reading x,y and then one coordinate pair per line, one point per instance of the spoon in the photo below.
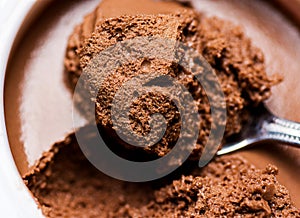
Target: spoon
x,y
264,126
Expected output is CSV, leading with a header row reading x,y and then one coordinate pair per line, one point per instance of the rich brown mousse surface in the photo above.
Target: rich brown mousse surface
x,y
65,184
107,9
238,64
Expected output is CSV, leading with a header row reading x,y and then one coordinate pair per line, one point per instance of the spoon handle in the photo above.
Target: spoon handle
x,y
282,130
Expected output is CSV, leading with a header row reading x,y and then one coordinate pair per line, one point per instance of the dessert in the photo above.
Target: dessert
x,y
107,9
67,185
238,64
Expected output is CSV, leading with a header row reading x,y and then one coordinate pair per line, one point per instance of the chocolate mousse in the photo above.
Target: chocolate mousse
x,y
238,64
107,9
65,184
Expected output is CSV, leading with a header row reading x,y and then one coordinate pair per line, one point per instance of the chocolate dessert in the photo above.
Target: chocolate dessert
x,y
239,66
67,185
107,9
64,182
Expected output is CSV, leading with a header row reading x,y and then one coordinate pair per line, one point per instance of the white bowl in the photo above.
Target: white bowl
x,y
15,199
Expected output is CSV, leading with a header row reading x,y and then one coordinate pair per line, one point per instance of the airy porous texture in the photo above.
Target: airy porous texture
x,y
237,63
107,9
227,187
65,184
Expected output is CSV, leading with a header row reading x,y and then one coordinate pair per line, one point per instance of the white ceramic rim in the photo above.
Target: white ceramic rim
x,y
15,199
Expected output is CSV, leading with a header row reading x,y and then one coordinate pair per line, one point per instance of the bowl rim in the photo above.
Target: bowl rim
x,y
15,198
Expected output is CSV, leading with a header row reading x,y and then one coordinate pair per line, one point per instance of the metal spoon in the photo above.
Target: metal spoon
x,y
264,126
